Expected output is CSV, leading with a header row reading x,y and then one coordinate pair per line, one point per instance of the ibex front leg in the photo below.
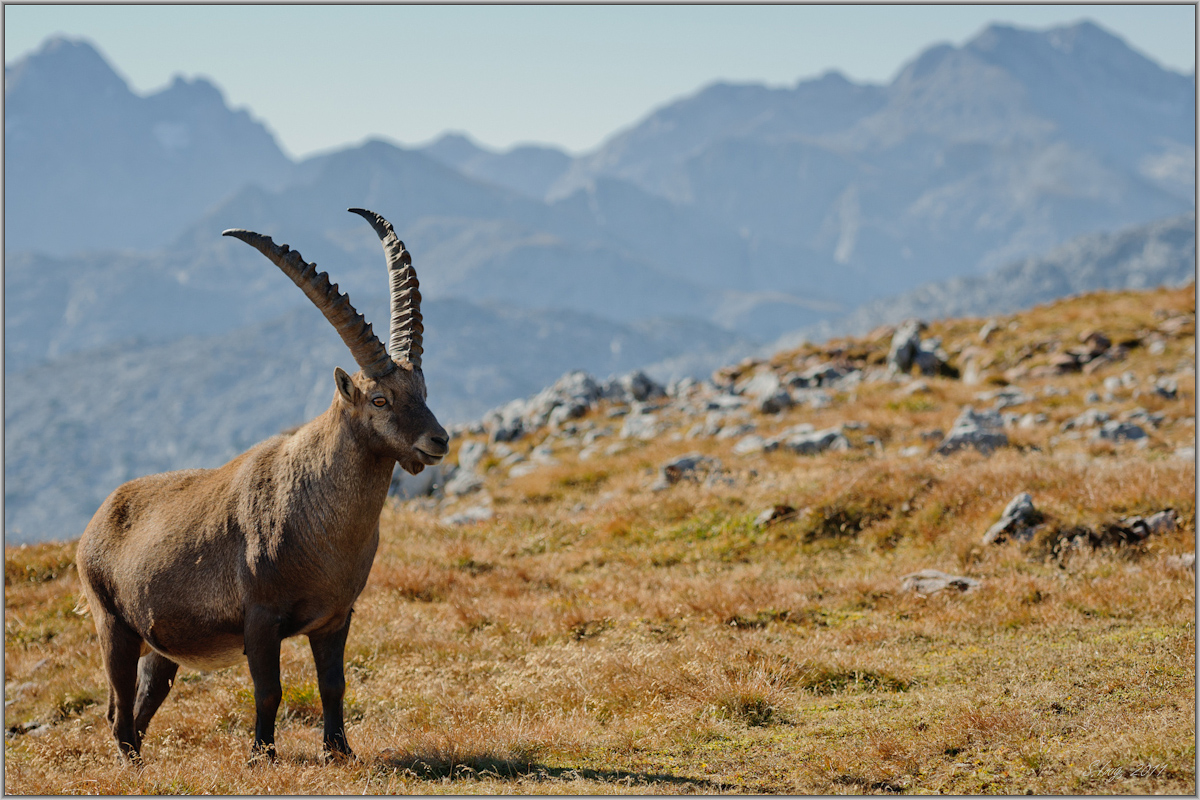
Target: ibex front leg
x,y
262,653
329,651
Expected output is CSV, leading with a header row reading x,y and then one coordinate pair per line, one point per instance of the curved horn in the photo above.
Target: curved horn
x,y
364,345
407,329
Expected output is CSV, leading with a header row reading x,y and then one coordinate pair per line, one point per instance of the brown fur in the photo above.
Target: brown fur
x,y
197,567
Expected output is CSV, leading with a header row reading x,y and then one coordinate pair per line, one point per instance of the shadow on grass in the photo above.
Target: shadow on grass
x,y
482,766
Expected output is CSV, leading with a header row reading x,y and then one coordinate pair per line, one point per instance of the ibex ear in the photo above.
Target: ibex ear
x,y
346,386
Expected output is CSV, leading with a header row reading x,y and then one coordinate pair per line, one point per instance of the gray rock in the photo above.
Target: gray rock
x,y
1005,397
429,481
469,516
777,513
505,424
1088,419
464,481
1116,431
906,341
1183,561
811,443
749,444
689,467
1141,415
470,454
979,429
735,430
640,426
930,581
634,386
1167,387
1018,521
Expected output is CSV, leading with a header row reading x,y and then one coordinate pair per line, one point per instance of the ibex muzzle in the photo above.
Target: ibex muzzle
x,y
202,567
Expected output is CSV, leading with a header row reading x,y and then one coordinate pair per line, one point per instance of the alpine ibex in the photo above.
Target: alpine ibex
x,y
201,567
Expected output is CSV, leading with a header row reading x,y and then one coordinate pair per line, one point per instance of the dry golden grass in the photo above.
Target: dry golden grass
x,y
597,637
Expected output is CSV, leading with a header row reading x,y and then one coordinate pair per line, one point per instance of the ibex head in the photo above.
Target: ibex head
x,y
385,400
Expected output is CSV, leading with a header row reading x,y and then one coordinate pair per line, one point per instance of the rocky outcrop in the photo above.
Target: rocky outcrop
x,y
982,430
931,581
1018,521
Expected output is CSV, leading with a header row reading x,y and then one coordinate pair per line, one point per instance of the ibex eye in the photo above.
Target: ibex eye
x,y
379,402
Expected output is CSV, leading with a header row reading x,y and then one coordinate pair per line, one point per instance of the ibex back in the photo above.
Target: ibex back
x,y
201,567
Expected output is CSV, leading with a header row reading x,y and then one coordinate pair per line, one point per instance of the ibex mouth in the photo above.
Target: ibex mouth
x,y
428,459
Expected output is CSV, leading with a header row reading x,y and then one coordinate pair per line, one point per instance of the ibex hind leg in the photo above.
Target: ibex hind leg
x,y
155,675
120,648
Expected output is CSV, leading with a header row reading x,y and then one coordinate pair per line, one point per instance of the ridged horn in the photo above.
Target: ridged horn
x,y
355,331
407,328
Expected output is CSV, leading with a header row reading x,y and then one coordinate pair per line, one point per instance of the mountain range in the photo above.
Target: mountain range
x,y
704,232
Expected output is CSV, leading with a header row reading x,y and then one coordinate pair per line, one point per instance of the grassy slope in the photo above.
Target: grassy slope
x,y
596,637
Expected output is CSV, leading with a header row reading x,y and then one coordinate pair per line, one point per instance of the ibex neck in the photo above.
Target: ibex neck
x,y
346,479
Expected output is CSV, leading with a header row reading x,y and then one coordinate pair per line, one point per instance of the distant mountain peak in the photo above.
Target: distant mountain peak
x,y
64,66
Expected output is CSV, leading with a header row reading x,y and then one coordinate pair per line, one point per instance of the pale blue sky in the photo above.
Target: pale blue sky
x,y
326,76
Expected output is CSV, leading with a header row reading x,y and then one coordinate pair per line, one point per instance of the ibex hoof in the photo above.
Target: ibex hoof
x,y
262,754
330,756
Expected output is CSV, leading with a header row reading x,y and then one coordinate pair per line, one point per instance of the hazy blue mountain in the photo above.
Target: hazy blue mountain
x,y
88,164
527,169
649,152
971,157
1161,253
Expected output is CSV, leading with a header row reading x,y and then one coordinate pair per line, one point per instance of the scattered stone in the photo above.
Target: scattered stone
x,y
1187,452
640,426
428,481
634,386
912,451
1116,431
524,468
1031,420
931,581
464,481
813,398
1143,416
1005,397
774,514
820,375
1167,388
979,429
504,424
690,467
596,433
906,341
749,444
933,435
989,327
1183,561
731,431
1018,521
1164,521
916,387
724,402
469,516
1088,419
470,454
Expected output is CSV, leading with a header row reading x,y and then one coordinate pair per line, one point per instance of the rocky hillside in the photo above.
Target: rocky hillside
x,y
1094,375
